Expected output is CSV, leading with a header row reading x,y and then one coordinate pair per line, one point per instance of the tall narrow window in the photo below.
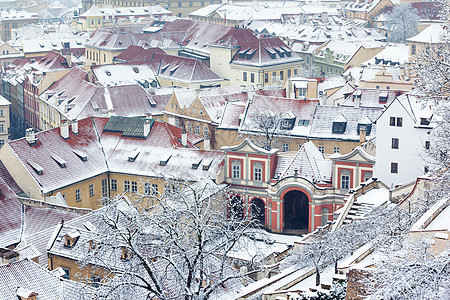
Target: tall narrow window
x,y
257,171
394,167
105,187
114,184
236,169
91,190
345,179
147,188
126,186
77,195
399,122
134,187
154,189
394,143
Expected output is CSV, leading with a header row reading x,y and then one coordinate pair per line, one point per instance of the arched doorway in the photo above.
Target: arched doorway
x,y
296,211
258,211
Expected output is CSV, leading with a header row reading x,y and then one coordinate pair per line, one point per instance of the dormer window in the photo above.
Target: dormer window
x,y
206,164
71,238
383,97
366,127
339,124
288,121
133,155
196,164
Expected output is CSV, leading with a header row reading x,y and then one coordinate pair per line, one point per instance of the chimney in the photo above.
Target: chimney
x,y
30,136
64,129
8,256
206,143
184,137
26,294
362,134
69,59
146,128
75,127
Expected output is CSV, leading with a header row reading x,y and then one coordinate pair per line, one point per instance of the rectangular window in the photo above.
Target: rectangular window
x,y
91,190
266,77
154,189
289,73
67,273
236,169
1,113
147,189
244,76
336,149
105,187
392,121
394,143
281,75
134,187
413,49
252,77
399,122
126,186
205,131
77,195
274,74
189,127
257,171
345,181
114,184
321,149
394,167
427,145
197,129
2,142
285,147
2,128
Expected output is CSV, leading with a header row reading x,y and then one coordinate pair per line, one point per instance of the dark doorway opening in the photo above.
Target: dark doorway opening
x,y
296,211
258,211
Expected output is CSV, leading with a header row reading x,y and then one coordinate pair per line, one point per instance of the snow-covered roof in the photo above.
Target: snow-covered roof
x,y
391,55
124,74
13,14
433,34
308,162
372,98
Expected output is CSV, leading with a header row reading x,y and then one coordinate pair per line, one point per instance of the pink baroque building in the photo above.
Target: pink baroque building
x,y
287,192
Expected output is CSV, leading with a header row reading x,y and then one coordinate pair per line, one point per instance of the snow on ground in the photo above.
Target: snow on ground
x,y
375,196
442,221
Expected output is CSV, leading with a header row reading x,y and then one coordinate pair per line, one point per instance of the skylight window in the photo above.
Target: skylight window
x,y
164,159
206,164
196,164
173,70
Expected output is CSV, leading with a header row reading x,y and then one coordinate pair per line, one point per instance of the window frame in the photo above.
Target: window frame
x,y
394,168
113,184
257,171
236,169
91,190
394,143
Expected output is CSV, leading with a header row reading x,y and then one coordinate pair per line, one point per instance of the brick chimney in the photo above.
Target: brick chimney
x,y
362,134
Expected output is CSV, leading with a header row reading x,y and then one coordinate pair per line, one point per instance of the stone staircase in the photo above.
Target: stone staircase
x,y
358,211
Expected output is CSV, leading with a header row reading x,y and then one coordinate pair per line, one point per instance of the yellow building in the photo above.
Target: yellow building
x,y
4,120
101,157
243,58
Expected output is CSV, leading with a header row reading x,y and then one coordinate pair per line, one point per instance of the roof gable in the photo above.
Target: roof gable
x,y
248,147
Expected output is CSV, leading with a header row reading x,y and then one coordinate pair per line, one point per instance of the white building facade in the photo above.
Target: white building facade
x,y
403,136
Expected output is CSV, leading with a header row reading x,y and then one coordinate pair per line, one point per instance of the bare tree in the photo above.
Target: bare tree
x,y
416,273
176,249
402,23
267,129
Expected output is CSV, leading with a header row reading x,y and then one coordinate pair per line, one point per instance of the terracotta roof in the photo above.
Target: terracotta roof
x,y
138,54
109,151
50,62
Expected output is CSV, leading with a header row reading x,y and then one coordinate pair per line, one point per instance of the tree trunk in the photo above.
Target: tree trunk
x,y
335,267
317,277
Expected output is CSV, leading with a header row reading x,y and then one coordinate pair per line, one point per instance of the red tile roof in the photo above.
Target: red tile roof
x,y
138,54
9,180
50,62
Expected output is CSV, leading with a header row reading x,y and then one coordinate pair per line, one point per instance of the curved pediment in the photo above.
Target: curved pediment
x,y
247,146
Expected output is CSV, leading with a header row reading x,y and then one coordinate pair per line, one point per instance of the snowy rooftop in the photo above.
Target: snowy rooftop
x,y
432,34
123,74
375,197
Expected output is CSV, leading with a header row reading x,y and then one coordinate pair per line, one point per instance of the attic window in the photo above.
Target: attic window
x,y
71,238
95,106
196,164
250,54
206,164
271,53
280,53
163,69
133,155
288,121
424,121
242,53
37,168
339,124
108,73
80,155
61,162
136,70
164,159
383,97
173,70
303,122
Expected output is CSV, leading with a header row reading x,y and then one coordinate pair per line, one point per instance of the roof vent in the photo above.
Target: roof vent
x,y
71,238
196,164
37,168
80,155
61,162
133,155
206,164
165,159
173,70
